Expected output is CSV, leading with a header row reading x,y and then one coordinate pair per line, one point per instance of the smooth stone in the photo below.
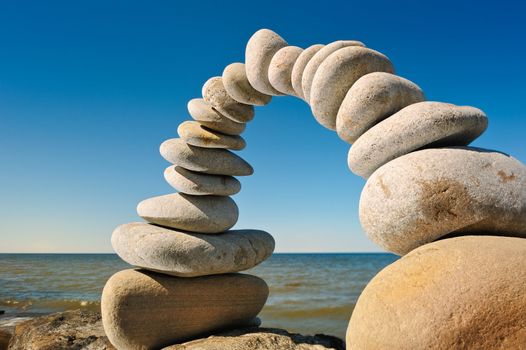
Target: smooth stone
x,y
148,310
215,94
335,76
460,293
371,99
280,69
212,119
428,194
202,214
317,59
238,87
196,134
299,66
190,254
423,124
191,182
258,54
205,160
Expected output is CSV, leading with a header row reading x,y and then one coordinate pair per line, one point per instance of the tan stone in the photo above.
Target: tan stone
x,y
147,310
372,98
215,94
259,51
428,194
191,182
299,66
460,293
212,119
203,214
187,254
205,160
423,124
280,69
196,134
238,87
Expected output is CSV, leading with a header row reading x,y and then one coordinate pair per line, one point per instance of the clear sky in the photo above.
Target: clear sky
x,y
89,89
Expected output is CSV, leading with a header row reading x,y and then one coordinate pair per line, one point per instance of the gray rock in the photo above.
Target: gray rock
x,y
147,310
317,59
428,194
335,76
191,182
372,98
215,94
258,54
280,69
203,214
212,119
423,124
196,134
238,87
186,254
205,160
299,66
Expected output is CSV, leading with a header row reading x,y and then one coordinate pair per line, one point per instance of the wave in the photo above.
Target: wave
x,y
49,305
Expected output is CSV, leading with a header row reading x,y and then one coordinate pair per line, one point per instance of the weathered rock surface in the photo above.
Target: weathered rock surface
x,y
423,124
144,310
187,254
205,160
191,182
459,293
203,214
427,194
215,94
212,119
196,134
258,54
372,98
280,69
335,76
238,87
299,66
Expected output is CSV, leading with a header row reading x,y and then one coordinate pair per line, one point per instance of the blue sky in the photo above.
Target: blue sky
x,y
89,89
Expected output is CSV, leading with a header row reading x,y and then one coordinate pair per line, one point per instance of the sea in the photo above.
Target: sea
x,y
309,293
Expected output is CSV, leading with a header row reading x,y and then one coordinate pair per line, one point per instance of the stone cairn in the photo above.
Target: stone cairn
x,y
456,213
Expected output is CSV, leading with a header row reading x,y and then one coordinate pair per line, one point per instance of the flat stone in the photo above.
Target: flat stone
x,y
238,87
147,310
202,214
299,66
215,94
258,54
196,134
186,254
371,99
317,59
460,293
280,69
205,160
428,194
191,182
423,124
335,76
212,119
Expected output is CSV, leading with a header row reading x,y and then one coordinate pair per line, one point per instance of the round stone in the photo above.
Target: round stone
x,y
258,54
428,194
212,119
215,94
196,134
317,59
335,76
205,160
238,87
202,214
191,182
190,254
423,124
460,293
372,98
280,69
299,66
148,310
